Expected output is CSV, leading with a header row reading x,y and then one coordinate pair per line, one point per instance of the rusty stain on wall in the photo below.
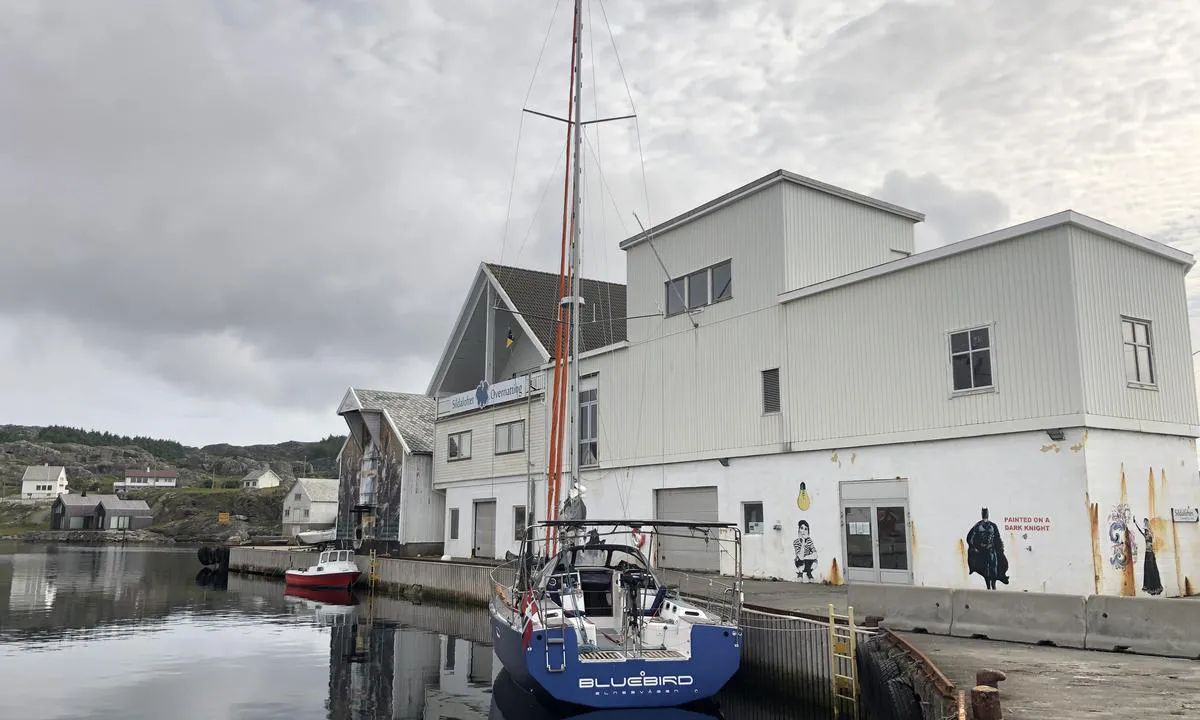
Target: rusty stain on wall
x,y
962,560
853,457
835,573
1051,446
1093,510
1081,444
1158,525
912,538
834,458
1188,590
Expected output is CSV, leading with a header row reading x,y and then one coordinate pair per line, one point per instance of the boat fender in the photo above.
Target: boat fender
x,y
638,537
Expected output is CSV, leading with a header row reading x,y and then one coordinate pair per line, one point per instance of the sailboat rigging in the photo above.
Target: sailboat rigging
x,y
577,616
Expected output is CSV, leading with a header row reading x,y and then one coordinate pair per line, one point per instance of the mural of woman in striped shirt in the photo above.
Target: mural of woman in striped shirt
x,y
806,552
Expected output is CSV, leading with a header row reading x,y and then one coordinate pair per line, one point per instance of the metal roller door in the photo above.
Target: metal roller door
x,y
687,553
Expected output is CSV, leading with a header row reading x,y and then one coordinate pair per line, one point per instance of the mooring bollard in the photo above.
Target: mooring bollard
x,y
985,703
990,678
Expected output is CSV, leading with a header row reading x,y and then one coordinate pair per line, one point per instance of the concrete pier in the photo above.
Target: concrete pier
x,y
784,632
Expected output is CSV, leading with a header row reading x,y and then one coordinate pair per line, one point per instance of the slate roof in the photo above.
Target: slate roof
x,y
535,296
41,473
412,414
152,473
320,489
137,508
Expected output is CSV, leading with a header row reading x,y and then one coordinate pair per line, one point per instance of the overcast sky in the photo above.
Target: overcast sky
x,y
215,216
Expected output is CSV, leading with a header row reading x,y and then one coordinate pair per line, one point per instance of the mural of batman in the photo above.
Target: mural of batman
x,y
985,552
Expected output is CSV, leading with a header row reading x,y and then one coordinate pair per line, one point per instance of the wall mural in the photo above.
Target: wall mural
x,y
803,501
806,552
1124,545
985,552
1121,524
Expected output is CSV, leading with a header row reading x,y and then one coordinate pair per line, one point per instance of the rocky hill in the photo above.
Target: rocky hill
x,y
94,459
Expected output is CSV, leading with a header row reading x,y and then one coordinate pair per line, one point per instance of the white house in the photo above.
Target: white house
x,y
260,479
386,499
148,478
311,504
44,481
803,373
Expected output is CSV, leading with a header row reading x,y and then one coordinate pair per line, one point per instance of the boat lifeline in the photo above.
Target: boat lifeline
x,y
334,569
594,625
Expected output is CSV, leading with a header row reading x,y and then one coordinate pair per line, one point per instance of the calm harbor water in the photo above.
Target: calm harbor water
x,y
112,632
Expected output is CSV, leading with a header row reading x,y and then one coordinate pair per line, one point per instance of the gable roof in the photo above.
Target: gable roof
x,y
319,489
84,501
762,183
256,474
410,415
114,504
534,295
41,473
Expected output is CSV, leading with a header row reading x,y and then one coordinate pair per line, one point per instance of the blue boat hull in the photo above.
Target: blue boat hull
x,y
716,655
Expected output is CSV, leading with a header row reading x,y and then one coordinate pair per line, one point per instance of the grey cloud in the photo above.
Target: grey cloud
x,y
950,215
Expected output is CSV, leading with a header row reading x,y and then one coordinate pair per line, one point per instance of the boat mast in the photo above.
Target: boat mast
x,y
576,300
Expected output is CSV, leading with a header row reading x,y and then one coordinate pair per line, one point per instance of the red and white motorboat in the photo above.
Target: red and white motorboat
x,y
334,569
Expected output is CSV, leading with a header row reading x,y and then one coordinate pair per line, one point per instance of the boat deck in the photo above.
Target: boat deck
x,y
612,655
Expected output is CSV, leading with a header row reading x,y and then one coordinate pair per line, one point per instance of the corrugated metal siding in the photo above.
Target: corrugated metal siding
x,y
826,236
750,232
872,357
1112,279
484,463
690,392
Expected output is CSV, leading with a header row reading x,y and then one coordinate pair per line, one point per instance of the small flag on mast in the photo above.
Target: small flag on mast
x,y
508,341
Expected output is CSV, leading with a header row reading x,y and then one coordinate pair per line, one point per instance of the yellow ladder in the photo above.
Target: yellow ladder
x,y
373,570
843,671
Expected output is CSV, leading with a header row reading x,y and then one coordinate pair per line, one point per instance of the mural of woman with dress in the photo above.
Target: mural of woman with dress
x,y
985,552
1151,582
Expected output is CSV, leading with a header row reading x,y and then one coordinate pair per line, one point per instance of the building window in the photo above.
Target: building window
x,y
703,287
971,359
306,512
518,522
770,391
287,513
1139,362
120,522
296,496
453,523
752,518
510,437
458,445
588,446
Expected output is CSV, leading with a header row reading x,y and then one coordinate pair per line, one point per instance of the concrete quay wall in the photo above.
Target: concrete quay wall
x,y
456,581
1143,625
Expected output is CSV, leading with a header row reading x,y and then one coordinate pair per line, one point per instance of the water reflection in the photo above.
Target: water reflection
x,y
151,636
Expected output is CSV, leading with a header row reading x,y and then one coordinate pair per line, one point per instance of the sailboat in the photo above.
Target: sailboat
x,y
580,614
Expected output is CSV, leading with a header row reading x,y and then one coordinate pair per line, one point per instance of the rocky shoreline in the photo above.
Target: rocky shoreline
x,y
93,537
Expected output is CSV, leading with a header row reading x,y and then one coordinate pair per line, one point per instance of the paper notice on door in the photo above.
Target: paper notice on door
x,y
860,528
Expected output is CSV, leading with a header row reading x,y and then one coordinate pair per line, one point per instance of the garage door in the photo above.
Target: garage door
x,y
681,552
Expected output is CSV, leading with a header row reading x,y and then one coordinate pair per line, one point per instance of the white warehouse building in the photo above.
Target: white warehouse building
x,y
855,407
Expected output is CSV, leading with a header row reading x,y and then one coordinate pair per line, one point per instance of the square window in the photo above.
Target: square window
x,y
971,359
697,289
1139,365
676,292
518,522
752,518
458,445
722,281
